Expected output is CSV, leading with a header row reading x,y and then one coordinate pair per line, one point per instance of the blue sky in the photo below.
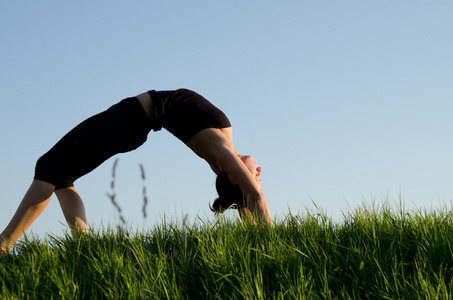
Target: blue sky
x,y
340,102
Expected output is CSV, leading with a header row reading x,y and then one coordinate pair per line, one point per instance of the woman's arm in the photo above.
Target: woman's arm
x,y
217,149
257,206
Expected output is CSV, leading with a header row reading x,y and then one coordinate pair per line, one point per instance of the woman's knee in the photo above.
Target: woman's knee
x,y
43,169
47,171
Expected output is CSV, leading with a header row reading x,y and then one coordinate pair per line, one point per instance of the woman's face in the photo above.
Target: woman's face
x,y
252,166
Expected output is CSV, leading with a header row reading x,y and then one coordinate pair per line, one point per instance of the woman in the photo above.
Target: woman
x,y
124,127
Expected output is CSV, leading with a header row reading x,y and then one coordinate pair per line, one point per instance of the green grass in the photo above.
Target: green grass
x,y
375,252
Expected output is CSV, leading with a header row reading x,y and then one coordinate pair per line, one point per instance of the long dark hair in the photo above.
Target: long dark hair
x,y
230,195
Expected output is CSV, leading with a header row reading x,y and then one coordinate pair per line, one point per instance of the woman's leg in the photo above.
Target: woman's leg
x,y
32,205
73,210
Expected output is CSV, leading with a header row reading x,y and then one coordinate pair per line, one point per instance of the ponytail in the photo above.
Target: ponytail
x,y
230,195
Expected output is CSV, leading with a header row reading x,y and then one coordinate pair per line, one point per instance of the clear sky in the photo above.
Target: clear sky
x,y
340,102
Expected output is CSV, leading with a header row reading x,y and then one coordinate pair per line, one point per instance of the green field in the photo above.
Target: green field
x,y
374,252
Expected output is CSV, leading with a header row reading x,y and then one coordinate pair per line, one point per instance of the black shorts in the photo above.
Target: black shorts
x,y
121,128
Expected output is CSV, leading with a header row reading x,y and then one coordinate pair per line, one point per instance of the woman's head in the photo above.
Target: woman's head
x,y
230,194
250,163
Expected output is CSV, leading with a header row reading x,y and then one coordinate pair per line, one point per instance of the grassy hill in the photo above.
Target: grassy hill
x,y
373,253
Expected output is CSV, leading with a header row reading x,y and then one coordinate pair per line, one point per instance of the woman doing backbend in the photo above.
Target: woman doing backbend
x,y
124,127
